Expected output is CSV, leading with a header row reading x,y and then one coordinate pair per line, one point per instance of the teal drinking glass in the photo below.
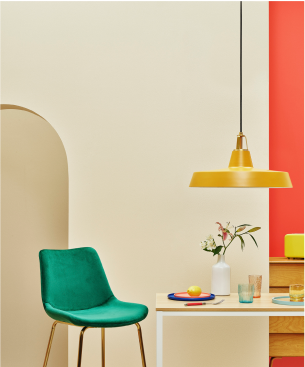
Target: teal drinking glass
x,y
245,293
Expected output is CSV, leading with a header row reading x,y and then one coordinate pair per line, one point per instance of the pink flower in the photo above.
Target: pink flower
x,y
221,229
220,226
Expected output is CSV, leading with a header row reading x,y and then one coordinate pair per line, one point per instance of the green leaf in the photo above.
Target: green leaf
x,y
254,229
253,239
217,250
241,229
242,244
243,225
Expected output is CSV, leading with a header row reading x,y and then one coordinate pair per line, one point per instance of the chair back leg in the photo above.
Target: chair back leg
x,y
49,344
141,344
80,347
103,347
81,340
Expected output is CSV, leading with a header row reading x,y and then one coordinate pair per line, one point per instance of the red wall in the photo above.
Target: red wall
x,y
286,126
286,118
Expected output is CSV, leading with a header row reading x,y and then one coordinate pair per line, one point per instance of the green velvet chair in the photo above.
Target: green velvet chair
x,y
75,291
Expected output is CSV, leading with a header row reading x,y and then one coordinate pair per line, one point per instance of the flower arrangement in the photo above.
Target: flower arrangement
x,y
228,233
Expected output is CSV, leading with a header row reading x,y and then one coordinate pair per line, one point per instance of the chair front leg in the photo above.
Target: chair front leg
x,y
49,344
80,347
141,344
103,347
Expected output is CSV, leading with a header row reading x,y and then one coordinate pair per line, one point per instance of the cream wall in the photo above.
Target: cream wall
x,y
34,216
143,94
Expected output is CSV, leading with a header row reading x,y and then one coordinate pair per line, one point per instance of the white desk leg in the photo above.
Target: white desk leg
x,y
159,338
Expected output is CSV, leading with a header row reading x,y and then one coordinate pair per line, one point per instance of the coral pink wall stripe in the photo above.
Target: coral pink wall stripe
x,y
286,126
286,118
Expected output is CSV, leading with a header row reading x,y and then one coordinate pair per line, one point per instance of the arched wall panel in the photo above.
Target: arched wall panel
x,y
34,199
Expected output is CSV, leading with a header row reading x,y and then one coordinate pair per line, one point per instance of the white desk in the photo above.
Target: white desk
x,y
230,307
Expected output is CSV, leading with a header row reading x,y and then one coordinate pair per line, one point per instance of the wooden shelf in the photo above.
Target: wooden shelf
x,y
285,260
286,333
286,345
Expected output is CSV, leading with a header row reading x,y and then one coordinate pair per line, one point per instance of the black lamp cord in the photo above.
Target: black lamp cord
x,y
241,68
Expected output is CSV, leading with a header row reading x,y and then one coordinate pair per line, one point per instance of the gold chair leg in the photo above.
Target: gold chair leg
x,y
80,347
141,344
103,347
49,344
272,360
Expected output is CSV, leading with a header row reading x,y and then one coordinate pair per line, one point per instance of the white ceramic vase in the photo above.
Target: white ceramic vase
x,y
221,277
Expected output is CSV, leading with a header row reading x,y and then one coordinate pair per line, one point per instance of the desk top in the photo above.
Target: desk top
x,y
231,303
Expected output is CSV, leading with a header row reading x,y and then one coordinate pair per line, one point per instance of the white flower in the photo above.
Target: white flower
x,y
210,237
211,245
208,244
203,245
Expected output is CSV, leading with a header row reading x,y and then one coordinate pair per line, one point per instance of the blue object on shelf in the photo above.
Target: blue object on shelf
x,y
190,299
278,301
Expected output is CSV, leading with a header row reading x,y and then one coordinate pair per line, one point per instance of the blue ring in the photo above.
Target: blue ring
x,y
287,303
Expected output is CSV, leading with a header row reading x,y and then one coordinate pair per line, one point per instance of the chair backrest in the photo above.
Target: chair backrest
x,y
73,279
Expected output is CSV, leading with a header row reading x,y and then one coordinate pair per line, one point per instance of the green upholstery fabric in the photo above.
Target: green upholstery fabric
x,y
113,313
75,289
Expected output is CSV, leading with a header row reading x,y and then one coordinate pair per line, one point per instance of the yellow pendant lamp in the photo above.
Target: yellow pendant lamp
x,y
240,172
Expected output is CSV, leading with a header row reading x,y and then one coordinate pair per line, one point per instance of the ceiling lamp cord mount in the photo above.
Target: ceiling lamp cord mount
x,y
240,136
240,172
241,70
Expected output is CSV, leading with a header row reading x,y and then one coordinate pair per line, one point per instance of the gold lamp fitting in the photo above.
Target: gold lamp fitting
x,y
239,143
241,157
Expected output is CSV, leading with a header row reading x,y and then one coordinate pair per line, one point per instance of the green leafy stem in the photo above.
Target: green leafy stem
x,y
209,245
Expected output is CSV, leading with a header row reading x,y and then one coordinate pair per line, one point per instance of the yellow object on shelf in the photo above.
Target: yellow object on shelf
x,y
294,245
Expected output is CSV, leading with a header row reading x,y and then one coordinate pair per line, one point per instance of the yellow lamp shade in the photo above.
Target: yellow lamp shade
x,y
240,178
241,173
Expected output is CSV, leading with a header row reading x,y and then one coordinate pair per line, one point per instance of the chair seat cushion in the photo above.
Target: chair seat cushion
x,y
113,313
